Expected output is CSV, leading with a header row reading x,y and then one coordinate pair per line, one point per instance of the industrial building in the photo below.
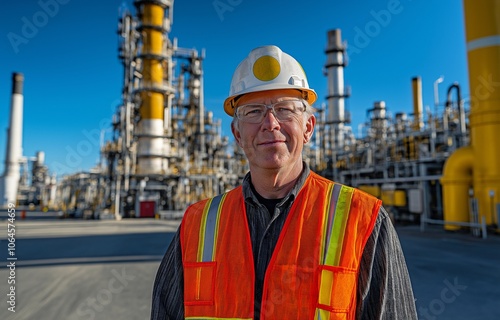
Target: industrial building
x,y
167,150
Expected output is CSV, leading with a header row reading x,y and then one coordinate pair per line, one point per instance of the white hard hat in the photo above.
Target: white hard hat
x,y
267,68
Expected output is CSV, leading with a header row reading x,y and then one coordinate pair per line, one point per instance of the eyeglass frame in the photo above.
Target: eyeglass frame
x,y
271,108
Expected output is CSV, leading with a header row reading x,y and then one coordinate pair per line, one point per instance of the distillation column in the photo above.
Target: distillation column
x,y
9,182
334,66
478,165
150,129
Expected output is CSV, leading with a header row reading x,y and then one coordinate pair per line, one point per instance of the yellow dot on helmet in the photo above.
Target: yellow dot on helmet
x,y
266,68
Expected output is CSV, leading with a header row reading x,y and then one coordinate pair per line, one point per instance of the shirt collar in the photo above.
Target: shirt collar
x,y
250,197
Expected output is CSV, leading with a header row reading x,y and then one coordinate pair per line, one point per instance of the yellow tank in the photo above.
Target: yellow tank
x,y
399,198
373,190
395,198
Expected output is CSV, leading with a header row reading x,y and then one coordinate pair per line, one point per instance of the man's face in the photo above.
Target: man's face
x,y
272,144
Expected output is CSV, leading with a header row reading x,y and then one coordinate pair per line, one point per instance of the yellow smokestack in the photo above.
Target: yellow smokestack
x,y
418,122
482,26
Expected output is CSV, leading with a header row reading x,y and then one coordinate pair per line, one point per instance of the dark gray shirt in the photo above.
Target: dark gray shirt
x,y
384,289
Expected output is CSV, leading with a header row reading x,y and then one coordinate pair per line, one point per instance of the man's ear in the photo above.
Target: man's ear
x,y
309,128
236,133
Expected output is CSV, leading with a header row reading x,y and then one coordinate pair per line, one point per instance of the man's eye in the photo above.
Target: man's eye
x,y
285,110
253,111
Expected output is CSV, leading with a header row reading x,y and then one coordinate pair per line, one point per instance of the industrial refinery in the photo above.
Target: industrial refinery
x,y
167,150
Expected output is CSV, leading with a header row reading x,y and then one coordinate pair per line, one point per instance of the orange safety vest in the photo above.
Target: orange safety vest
x,y
314,268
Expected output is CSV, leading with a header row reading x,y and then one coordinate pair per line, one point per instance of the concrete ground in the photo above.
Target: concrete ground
x,y
454,276
74,269
105,269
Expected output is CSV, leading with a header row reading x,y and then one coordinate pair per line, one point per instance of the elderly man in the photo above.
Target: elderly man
x,y
287,243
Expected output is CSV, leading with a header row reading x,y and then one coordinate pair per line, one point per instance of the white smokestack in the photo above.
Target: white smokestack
x,y
10,179
336,92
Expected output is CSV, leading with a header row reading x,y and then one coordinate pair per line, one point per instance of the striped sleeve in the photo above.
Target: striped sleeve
x,y
168,292
384,287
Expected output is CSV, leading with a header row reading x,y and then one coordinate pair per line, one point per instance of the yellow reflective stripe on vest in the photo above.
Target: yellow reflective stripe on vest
x,y
335,222
342,207
209,228
336,215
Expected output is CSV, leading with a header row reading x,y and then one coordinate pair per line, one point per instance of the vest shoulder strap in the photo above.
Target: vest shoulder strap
x,y
349,216
203,219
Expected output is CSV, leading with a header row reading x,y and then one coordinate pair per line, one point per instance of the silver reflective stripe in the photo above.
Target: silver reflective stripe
x,y
331,216
210,229
484,42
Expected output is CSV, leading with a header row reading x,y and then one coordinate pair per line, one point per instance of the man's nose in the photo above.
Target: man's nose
x,y
270,121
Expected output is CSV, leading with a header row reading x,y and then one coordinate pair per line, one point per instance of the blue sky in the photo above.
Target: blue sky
x,y
73,76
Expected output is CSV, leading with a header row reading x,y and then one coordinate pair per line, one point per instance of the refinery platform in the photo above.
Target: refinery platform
x,y
166,149
105,269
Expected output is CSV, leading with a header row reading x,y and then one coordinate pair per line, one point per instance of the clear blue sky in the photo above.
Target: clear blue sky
x,y
73,76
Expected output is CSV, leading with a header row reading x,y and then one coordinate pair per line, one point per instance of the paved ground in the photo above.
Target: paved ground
x,y
83,269
454,276
74,269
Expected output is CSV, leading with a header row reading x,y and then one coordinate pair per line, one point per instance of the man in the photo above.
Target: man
x,y
287,244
